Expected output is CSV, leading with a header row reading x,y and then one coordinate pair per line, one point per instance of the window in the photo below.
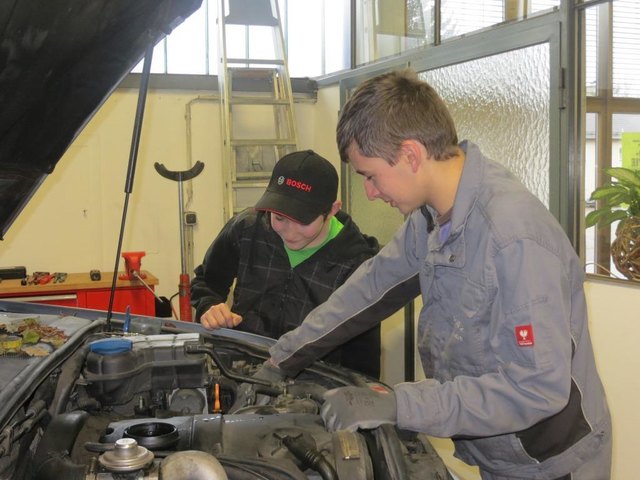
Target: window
x,y
316,33
612,126
389,27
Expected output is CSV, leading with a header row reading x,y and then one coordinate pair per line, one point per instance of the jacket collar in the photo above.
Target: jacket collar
x,y
469,186
453,250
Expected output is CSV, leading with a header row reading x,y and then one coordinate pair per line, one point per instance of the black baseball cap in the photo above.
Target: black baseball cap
x,y
303,186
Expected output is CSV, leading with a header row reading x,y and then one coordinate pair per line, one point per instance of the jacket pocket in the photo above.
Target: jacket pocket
x,y
458,322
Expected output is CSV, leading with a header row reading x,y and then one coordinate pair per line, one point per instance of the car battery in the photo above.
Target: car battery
x,y
117,369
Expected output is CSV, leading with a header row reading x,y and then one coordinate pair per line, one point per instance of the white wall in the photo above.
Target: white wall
x,y
614,319
72,223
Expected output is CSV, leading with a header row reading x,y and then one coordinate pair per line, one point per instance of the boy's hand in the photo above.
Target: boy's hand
x,y
350,408
220,316
246,395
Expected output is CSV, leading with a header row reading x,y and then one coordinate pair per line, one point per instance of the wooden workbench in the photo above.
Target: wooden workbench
x,y
78,290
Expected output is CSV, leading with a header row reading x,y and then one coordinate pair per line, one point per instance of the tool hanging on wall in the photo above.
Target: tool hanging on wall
x,y
185,282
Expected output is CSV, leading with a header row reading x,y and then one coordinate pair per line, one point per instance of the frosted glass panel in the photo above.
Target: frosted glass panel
x,y
502,104
499,102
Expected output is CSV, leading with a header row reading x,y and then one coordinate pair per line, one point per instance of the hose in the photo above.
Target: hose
x,y
310,457
66,382
59,466
197,347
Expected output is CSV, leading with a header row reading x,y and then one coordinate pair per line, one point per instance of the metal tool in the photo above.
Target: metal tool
x,y
34,278
184,284
59,277
44,279
127,319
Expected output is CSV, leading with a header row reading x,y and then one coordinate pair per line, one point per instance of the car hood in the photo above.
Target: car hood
x,y
59,62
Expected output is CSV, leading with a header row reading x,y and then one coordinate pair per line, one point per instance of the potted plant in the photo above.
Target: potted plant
x,y
620,200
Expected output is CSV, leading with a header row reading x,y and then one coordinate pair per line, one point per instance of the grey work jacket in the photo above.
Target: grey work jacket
x,y
502,334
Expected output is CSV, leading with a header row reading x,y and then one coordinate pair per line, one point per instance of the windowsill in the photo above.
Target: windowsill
x,y
302,87
593,277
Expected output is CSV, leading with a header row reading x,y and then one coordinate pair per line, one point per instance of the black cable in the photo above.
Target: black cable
x,y
197,347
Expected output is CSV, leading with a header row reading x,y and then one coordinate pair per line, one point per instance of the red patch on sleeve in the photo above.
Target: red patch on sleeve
x,y
376,387
524,335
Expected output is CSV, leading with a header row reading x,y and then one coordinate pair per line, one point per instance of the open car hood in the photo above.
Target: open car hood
x,y
59,61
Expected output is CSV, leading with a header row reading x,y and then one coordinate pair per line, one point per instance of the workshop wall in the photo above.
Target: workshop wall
x,y
73,221
78,209
613,322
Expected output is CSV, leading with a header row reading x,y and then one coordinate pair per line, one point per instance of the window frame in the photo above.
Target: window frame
x,y
605,106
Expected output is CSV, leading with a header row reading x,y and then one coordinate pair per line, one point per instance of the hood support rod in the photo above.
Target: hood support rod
x,y
133,156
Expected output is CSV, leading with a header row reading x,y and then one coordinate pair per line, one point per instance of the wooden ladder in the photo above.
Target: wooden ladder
x,y
257,115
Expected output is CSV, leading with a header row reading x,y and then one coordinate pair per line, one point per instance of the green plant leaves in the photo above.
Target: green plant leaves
x,y
609,191
604,217
623,192
625,176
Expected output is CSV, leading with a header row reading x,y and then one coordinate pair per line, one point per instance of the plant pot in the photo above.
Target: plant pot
x,y
625,249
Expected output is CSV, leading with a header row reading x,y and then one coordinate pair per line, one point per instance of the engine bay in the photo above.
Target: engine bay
x,y
164,406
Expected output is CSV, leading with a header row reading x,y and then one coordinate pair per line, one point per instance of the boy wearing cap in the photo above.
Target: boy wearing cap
x,y
287,255
503,333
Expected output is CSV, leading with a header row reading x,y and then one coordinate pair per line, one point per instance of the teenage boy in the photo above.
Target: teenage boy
x,y
502,334
287,255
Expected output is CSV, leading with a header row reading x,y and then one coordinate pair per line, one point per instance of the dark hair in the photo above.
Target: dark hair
x,y
393,107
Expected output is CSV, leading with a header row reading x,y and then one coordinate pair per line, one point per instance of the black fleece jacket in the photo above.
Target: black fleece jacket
x,y
274,298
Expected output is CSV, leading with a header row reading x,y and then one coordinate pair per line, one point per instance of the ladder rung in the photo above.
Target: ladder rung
x,y
256,100
263,72
256,61
266,142
252,183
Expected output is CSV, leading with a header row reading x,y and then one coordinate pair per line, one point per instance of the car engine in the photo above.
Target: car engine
x,y
164,407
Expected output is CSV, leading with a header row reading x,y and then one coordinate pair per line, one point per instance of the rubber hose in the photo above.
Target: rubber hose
x,y
310,457
58,466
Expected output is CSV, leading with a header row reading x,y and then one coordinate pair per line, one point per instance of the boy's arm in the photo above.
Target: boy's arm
x,y
378,288
214,277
